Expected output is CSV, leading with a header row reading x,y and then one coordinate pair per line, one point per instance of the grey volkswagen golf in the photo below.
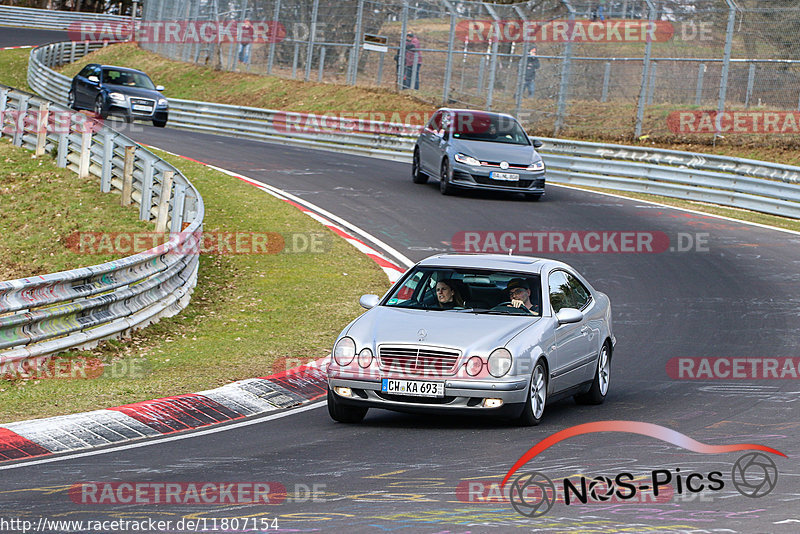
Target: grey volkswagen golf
x,y
472,149
475,334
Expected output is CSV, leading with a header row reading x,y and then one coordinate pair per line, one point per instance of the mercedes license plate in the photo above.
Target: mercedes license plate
x,y
416,388
507,176
139,107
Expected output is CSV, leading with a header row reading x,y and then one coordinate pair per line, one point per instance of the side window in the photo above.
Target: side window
x,y
96,71
85,71
406,292
580,295
559,291
435,124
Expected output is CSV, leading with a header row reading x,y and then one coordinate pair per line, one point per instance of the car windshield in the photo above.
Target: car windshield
x,y
467,290
475,126
127,78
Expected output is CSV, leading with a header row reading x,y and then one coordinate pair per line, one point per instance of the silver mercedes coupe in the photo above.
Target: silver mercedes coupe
x,y
475,334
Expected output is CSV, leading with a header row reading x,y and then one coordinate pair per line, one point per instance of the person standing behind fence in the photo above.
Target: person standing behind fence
x,y
413,58
531,64
246,36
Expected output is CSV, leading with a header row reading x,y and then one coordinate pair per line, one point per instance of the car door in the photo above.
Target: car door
x,y
428,144
571,339
92,87
79,86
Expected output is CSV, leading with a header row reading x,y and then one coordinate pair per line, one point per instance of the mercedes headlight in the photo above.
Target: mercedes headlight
x,y
499,362
467,160
344,351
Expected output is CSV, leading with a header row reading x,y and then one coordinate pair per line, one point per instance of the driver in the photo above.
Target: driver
x,y
520,293
447,295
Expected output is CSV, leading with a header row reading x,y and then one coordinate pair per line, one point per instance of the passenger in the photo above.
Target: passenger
x,y
447,295
520,293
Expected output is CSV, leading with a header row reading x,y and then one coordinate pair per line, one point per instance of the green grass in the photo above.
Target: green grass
x,y
14,68
249,313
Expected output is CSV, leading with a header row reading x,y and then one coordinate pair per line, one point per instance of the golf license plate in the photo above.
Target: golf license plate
x,y
506,176
416,388
139,107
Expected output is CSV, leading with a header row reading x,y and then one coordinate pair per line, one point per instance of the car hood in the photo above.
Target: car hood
x,y
133,91
522,154
469,332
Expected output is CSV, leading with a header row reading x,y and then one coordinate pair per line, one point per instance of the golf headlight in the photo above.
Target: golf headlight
x,y
344,351
467,160
119,97
536,166
162,101
499,362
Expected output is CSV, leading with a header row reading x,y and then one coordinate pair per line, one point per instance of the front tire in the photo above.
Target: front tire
x,y
534,197
445,187
537,397
602,375
417,175
100,108
71,99
159,124
342,413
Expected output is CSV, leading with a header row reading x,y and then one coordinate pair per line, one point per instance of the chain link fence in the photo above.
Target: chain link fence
x,y
610,69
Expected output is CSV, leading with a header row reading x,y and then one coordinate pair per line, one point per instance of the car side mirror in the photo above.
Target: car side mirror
x,y
569,316
369,301
537,143
93,79
159,87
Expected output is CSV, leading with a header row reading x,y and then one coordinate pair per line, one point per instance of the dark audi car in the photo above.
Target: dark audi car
x,y
119,91
478,150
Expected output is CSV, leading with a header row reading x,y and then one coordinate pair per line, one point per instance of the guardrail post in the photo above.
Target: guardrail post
x,y
127,175
108,154
177,208
3,104
19,126
606,78
163,201
698,94
72,51
147,190
86,152
41,127
63,142
750,78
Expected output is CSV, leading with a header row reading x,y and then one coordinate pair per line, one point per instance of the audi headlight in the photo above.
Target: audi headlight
x,y
536,166
467,160
499,362
344,351
119,97
162,101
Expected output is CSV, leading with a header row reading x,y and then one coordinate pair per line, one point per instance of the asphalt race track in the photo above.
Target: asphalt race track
x,y
734,293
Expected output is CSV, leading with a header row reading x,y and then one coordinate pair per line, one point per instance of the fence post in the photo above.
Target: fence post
x,y
448,69
401,53
652,87
606,78
294,60
523,58
698,95
637,132
561,111
109,139
380,66
163,201
354,55
481,69
493,64
311,37
321,63
127,175
726,61
41,127
273,35
86,153
750,78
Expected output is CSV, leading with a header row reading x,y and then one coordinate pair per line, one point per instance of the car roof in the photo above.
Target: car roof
x,y
491,113
487,261
124,69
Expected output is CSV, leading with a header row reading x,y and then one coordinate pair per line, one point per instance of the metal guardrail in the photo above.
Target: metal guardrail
x,y
737,182
47,314
51,20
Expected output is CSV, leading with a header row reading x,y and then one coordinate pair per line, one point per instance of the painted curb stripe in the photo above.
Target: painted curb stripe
x,y
183,412
13,446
